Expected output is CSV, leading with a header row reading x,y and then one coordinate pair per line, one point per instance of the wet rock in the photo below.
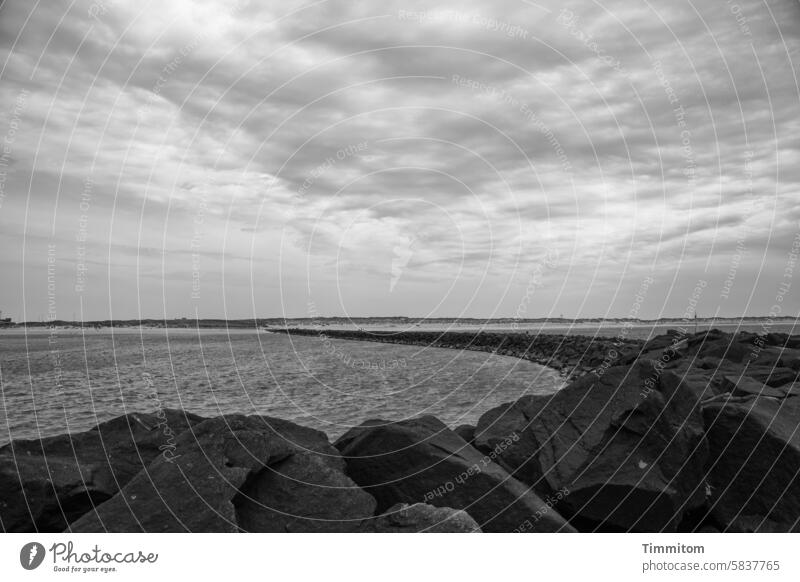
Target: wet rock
x,y
628,446
754,460
421,460
422,518
239,473
45,484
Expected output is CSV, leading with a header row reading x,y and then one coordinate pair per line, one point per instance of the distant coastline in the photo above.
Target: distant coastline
x,y
281,322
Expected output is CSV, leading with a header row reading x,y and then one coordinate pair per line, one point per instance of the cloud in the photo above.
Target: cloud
x,y
295,146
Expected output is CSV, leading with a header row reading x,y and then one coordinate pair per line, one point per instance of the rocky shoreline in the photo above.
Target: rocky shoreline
x,y
572,355
681,433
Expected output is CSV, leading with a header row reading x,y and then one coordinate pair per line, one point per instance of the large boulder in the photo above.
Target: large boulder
x,y
45,484
627,446
422,518
239,473
755,460
421,460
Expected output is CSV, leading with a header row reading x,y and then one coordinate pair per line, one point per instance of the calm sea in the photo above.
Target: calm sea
x,y
65,380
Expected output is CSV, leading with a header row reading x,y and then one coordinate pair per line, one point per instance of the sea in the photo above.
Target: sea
x,y
67,380
61,380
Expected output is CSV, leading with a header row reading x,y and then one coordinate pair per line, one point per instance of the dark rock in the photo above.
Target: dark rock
x,y
744,385
773,377
422,518
726,350
239,473
627,446
466,432
755,455
708,337
772,357
422,460
45,484
709,363
775,339
792,389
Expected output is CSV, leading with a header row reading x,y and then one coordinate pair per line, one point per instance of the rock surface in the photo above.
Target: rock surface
x,y
421,460
627,446
755,469
239,473
45,484
422,518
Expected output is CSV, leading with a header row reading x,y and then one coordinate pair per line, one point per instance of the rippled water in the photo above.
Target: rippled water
x,y
64,380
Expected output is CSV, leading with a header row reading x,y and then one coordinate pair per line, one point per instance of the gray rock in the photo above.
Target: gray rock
x,y
423,518
421,460
239,473
466,432
747,386
754,460
627,446
45,484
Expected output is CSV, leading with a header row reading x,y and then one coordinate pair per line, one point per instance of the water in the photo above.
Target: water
x,y
66,380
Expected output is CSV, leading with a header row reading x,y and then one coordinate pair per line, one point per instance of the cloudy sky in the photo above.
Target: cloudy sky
x,y
510,158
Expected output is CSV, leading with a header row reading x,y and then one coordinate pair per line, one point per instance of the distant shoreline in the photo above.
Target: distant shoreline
x,y
262,323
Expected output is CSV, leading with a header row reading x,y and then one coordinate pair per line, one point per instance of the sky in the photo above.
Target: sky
x,y
340,158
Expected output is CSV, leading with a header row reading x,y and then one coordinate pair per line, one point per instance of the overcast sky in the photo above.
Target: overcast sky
x,y
483,159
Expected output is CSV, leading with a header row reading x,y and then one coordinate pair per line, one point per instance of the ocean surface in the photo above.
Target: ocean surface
x,y
61,380
66,380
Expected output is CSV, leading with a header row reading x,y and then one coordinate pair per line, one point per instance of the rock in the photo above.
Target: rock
x,y
421,517
724,349
773,377
661,342
239,473
701,385
466,432
745,385
628,446
45,484
775,339
755,455
792,389
422,460
709,363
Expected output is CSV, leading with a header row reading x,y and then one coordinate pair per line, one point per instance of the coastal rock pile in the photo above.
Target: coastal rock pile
x,y
422,459
683,433
694,432
46,484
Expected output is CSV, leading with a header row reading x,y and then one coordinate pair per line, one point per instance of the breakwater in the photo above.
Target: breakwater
x,y
572,355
